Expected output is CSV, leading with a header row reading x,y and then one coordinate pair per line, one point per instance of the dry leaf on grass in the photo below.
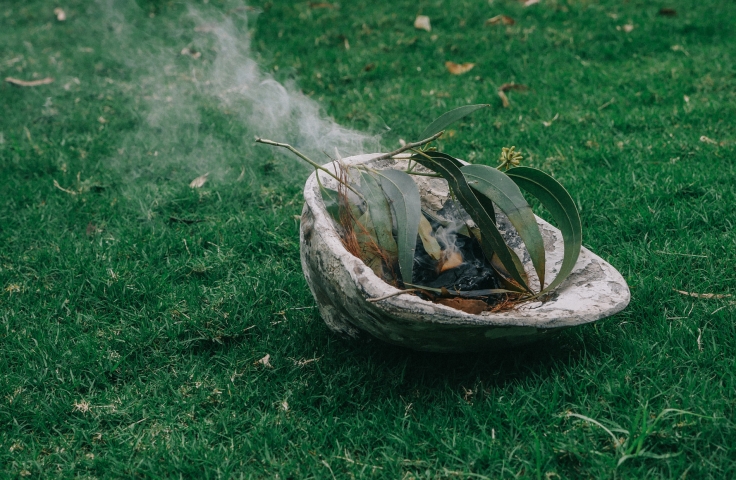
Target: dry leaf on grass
x,y
500,19
529,3
422,23
31,83
199,181
504,99
187,51
705,139
626,28
549,124
679,48
60,14
82,406
265,361
668,12
70,192
702,295
459,68
513,86
467,305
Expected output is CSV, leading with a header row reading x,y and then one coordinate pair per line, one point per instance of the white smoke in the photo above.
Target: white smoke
x,y
202,66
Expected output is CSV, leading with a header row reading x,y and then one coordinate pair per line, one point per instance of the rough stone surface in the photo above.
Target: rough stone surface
x,y
342,283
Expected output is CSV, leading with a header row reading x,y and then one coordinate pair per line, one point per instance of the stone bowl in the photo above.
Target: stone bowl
x,y
342,284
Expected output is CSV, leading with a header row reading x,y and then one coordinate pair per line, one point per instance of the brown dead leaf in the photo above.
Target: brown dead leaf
x,y
500,19
703,295
459,68
13,288
199,181
191,53
60,14
317,5
504,99
513,86
626,28
265,361
422,23
31,83
705,139
431,246
668,12
467,305
529,3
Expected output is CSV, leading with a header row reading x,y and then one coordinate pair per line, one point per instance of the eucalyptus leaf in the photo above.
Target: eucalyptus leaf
x,y
380,214
403,196
560,204
449,117
365,233
431,246
491,239
498,187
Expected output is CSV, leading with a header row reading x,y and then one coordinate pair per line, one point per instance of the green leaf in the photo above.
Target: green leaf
x,y
560,204
491,239
403,195
498,187
449,117
380,214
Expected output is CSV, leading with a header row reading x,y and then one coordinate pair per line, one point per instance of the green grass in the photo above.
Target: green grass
x,y
129,341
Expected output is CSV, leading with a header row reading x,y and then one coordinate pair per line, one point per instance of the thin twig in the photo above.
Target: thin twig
x,y
409,146
299,154
436,175
400,292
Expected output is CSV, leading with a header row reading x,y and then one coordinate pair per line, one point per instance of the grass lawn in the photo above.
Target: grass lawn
x,y
134,309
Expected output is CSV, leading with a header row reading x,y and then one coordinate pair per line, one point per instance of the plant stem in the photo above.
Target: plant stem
x,y
400,292
409,146
316,165
436,175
